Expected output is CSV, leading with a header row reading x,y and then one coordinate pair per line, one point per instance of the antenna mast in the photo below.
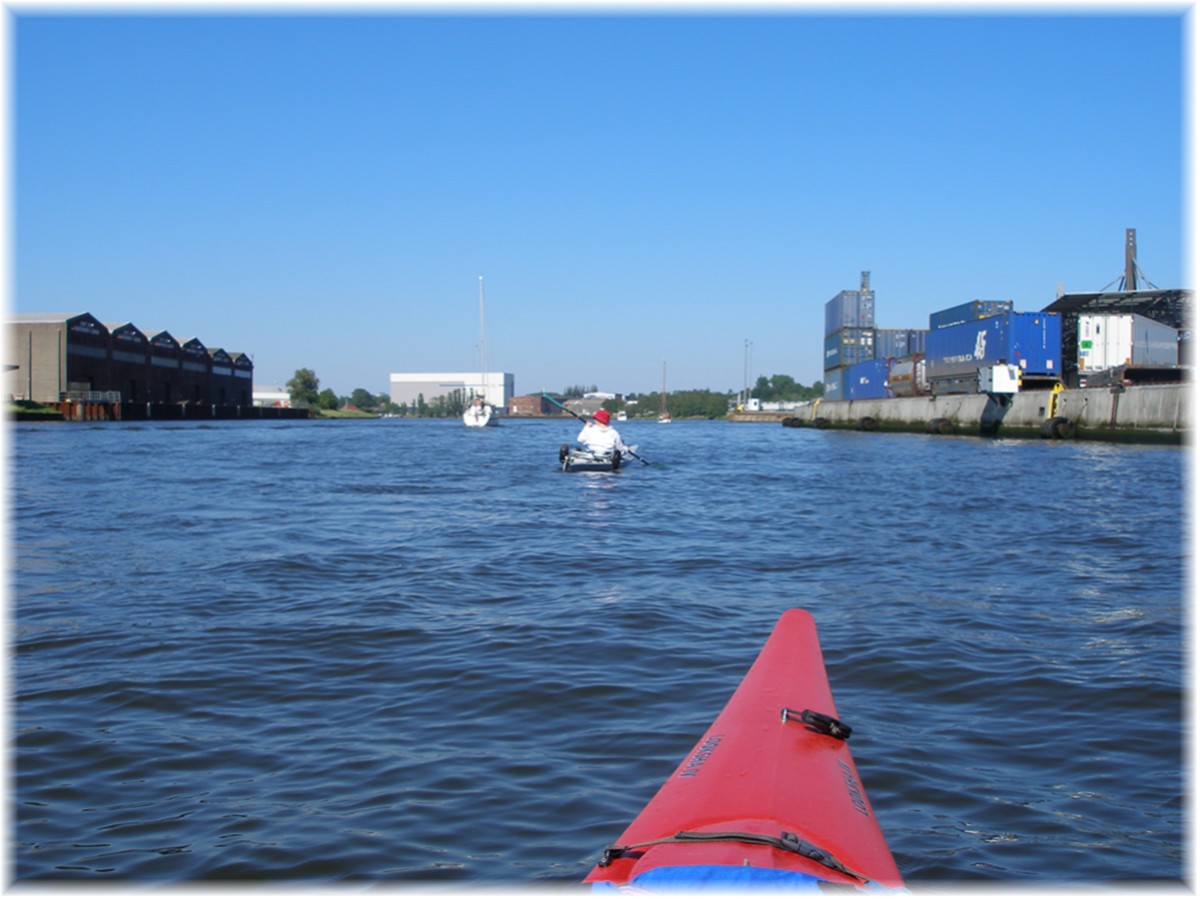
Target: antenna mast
x,y
1131,259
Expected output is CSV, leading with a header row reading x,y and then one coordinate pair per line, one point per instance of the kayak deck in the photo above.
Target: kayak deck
x,y
768,797
580,459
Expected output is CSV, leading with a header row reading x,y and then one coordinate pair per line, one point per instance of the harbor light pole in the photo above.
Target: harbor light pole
x,y
745,370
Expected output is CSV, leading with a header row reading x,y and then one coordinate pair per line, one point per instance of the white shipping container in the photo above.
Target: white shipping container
x,y
1000,379
1107,341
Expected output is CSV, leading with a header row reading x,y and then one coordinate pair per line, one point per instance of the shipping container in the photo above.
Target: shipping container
x,y
835,384
867,380
897,343
848,346
1032,341
892,343
1000,379
968,312
850,309
907,377
1108,341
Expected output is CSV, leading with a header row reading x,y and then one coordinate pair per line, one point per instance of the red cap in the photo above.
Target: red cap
x,y
601,416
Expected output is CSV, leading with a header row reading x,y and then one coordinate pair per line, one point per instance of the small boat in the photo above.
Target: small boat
x,y
769,798
479,412
580,459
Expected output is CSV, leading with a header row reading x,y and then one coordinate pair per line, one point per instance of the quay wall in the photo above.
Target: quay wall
x,y
104,411
1153,412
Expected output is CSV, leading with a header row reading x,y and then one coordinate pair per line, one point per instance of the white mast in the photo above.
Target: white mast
x,y
483,360
664,416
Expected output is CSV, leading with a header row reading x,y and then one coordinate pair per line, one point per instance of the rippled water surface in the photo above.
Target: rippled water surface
x,y
409,652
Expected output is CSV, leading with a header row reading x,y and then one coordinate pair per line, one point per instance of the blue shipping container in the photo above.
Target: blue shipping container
x,y
850,309
1032,341
867,380
835,384
897,343
892,343
917,339
968,312
848,346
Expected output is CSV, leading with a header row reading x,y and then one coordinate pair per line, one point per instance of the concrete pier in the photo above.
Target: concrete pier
x,y
1158,413
109,411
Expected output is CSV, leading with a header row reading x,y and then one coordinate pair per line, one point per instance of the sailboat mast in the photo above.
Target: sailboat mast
x,y
483,360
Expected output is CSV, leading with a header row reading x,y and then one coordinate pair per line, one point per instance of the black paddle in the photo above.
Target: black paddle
x,y
582,419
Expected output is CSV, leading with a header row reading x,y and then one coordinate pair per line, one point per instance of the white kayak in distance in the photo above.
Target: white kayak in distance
x,y
580,459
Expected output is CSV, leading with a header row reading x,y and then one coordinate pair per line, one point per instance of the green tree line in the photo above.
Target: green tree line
x,y
705,404
784,389
680,404
305,392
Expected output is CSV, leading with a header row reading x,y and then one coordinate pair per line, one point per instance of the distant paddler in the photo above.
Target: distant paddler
x,y
601,438
602,426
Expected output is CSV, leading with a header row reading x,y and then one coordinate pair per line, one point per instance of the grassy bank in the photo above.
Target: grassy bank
x,y
344,414
28,411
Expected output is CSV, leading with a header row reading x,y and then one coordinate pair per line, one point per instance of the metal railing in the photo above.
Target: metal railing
x,y
90,396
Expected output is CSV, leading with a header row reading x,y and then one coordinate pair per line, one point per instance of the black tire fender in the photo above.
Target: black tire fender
x,y
1058,428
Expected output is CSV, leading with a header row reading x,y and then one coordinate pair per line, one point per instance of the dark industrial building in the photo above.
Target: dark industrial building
x,y
1170,306
74,358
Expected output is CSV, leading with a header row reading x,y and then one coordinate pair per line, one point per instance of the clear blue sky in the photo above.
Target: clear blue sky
x,y
324,191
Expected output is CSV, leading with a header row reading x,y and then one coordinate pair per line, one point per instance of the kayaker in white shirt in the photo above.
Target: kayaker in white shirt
x,y
600,437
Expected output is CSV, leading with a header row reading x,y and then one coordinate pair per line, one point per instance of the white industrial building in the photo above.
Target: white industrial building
x,y
406,387
272,395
